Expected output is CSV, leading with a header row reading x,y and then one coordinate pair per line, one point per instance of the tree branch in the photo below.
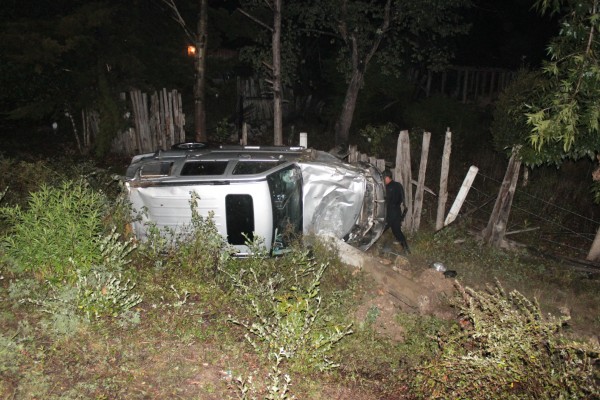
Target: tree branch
x,y
385,24
176,16
588,48
269,5
253,18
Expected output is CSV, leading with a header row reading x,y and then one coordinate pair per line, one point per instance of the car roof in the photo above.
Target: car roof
x,y
175,159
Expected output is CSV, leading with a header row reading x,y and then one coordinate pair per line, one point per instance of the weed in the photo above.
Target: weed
x,y
57,234
10,353
506,349
101,294
287,323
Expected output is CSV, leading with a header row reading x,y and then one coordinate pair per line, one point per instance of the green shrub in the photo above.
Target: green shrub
x,y
59,232
20,178
10,354
94,295
286,322
101,294
198,247
505,349
378,139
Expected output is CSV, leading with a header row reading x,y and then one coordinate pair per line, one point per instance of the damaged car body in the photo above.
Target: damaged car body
x,y
257,192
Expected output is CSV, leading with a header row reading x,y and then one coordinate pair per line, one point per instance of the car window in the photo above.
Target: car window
x,y
199,168
239,209
156,169
253,167
285,187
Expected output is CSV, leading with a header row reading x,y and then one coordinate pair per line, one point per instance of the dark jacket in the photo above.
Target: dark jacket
x,y
394,197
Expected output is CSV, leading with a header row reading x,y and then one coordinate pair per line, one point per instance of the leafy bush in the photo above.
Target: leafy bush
x,y
379,138
93,296
59,232
197,247
22,178
506,349
287,311
10,354
287,324
102,294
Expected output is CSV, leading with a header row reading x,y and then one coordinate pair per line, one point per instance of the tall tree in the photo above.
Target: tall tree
x,y
257,55
199,38
553,113
397,33
567,109
277,93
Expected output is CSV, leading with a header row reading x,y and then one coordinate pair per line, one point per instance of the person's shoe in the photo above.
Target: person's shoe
x,y
396,242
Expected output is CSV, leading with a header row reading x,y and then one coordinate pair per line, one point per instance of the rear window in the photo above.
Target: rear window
x,y
239,210
156,169
199,168
253,167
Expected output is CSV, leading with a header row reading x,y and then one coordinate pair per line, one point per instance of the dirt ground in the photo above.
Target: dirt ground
x,y
403,283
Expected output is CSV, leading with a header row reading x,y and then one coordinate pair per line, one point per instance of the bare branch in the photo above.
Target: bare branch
x,y
253,18
269,66
176,16
269,5
342,27
385,24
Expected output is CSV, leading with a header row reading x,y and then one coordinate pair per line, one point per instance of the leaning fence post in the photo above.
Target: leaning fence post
x,y
495,231
462,195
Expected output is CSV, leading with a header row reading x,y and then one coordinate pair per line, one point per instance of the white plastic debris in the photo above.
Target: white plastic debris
x,y
438,266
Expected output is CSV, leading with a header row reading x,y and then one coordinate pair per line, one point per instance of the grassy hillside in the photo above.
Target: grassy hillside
x,y
88,312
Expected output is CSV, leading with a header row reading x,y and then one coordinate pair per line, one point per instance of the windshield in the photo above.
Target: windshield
x,y
285,187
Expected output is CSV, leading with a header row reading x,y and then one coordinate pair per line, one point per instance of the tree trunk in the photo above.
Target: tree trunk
x,y
277,95
200,84
495,231
342,126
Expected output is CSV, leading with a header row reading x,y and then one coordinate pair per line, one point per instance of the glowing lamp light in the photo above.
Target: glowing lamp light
x,y
191,50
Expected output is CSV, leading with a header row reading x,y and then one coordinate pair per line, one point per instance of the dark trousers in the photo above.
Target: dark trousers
x,y
395,223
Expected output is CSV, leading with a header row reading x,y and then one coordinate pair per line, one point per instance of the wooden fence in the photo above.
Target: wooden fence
x,y
469,84
403,174
157,124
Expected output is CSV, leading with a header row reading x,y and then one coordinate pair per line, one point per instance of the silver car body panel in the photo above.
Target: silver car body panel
x,y
337,198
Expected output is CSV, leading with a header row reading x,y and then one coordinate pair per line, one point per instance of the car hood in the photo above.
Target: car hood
x,y
343,200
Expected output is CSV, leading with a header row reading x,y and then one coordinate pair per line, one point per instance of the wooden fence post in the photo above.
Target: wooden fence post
x,y
418,204
495,231
403,174
443,195
462,195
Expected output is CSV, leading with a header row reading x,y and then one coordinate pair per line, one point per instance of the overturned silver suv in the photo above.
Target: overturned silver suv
x,y
257,192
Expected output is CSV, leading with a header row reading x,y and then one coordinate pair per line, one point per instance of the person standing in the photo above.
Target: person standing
x,y
394,197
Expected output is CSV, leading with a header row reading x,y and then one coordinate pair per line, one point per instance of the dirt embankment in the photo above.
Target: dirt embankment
x,y
398,284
